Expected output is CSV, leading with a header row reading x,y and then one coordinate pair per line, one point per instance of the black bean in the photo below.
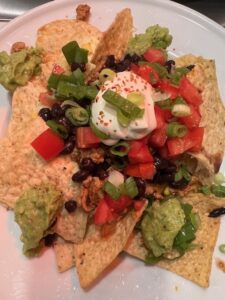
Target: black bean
x,y
74,66
102,174
50,239
70,206
217,212
123,65
141,185
80,175
133,58
169,65
57,111
160,163
110,61
87,164
190,67
45,114
161,177
66,123
180,184
69,146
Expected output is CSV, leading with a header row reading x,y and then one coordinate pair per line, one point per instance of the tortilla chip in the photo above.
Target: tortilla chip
x,y
203,76
96,253
194,265
114,41
64,255
72,226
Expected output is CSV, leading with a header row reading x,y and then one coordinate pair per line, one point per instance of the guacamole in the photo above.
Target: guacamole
x,y
154,36
35,212
161,225
16,69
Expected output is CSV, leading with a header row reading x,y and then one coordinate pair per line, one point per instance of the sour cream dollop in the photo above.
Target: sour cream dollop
x,y
104,115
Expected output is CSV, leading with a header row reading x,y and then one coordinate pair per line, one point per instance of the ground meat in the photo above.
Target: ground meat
x,y
91,193
96,154
83,12
18,46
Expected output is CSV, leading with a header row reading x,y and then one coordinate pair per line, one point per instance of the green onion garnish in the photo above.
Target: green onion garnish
x,y
120,149
98,132
218,190
178,74
119,163
77,115
204,190
175,129
129,109
78,77
131,187
181,110
111,190
165,104
136,97
58,129
222,248
73,53
68,90
122,119
106,74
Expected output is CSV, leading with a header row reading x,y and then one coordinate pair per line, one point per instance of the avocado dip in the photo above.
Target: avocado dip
x,y
168,228
19,67
35,212
154,36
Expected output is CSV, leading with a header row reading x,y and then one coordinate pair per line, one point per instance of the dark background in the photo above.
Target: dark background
x,y
214,9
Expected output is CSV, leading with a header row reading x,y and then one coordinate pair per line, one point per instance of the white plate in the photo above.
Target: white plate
x,y
24,279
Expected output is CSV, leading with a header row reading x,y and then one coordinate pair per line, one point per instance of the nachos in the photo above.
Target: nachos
x,y
113,146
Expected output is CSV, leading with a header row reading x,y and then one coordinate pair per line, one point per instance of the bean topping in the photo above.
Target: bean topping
x,y
45,114
80,175
70,206
141,185
217,212
50,239
57,111
87,164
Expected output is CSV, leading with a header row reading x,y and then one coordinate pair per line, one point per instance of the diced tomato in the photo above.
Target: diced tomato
x,y
46,99
158,137
86,138
189,92
147,170
139,153
192,141
144,170
149,74
159,115
48,144
163,151
196,134
193,120
144,140
134,68
168,88
132,170
103,213
138,204
167,114
57,69
120,204
154,55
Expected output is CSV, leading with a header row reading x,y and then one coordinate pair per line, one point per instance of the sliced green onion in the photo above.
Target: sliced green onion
x,y
175,129
218,190
181,110
73,53
129,109
78,77
119,163
204,190
162,71
195,220
165,104
131,187
111,190
106,74
178,74
122,119
137,98
77,115
120,149
74,78
98,132
58,129
69,102
182,173
219,178
222,248
68,90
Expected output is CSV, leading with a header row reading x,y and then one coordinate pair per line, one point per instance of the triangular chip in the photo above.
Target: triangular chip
x,y
97,252
64,255
203,76
114,41
194,265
